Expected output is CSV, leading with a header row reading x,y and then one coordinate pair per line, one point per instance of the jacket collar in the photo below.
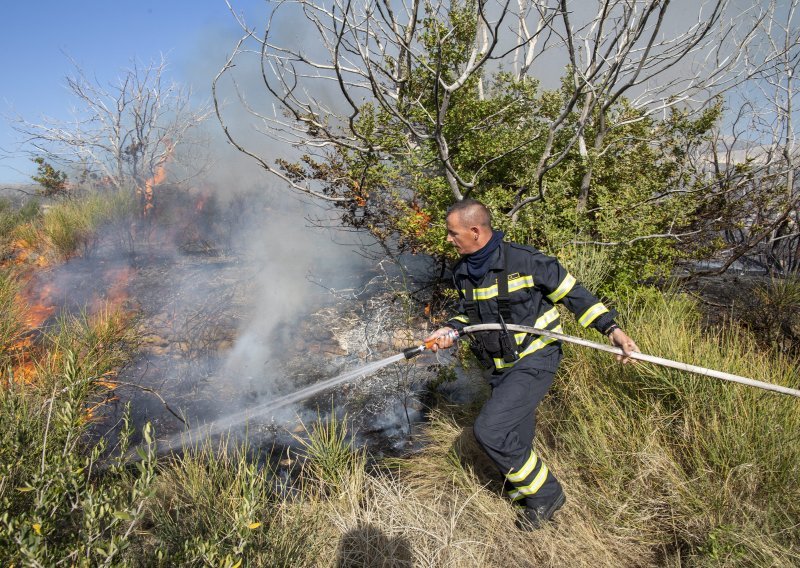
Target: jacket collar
x,y
497,263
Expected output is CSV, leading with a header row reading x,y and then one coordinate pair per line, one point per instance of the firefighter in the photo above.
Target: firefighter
x,y
508,283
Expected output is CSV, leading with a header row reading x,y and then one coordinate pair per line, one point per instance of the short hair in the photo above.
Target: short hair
x,y
472,212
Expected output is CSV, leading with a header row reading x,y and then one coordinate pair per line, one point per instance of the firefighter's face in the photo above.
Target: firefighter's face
x,y
466,239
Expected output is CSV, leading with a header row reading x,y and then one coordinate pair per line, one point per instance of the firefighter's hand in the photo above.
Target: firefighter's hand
x,y
442,338
620,339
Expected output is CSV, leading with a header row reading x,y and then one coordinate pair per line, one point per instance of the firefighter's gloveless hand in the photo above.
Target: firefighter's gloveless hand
x,y
442,338
620,339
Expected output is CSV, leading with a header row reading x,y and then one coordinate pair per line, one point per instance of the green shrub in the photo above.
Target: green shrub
x,y
55,508
53,181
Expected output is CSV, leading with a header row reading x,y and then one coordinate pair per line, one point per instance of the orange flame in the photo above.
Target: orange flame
x,y
20,252
159,176
39,300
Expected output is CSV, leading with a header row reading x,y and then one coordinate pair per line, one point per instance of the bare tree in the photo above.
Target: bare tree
x,y
121,134
749,169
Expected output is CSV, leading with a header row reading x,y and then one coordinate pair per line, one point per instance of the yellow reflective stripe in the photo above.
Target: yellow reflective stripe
x,y
524,471
462,319
531,489
563,288
534,346
541,323
483,293
592,314
547,318
514,284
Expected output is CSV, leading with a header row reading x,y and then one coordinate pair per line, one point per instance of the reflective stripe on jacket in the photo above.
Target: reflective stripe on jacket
x,y
536,283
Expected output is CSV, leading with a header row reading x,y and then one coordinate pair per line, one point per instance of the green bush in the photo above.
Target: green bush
x,y
53,181
55,507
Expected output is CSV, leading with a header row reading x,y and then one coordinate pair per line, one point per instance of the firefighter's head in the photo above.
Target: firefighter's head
x,y
469,226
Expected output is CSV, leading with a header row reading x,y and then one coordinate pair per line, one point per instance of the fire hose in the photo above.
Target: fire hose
x,y
414,351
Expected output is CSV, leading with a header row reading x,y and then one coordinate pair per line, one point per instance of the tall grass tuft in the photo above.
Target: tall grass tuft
x,y
331,462
73,226
11,326
589,264
100,343
215,506
12,218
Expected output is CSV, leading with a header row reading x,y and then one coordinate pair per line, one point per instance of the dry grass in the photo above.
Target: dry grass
x,y
441,508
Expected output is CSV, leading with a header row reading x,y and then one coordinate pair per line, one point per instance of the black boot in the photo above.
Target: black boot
x,y
533,518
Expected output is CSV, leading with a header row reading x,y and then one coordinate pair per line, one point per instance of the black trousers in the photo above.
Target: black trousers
x,y
506,426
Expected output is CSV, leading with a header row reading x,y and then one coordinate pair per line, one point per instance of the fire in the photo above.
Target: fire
x,y
116,281
37,306
159,176
40,298
25,368
202,199
22,252
40,304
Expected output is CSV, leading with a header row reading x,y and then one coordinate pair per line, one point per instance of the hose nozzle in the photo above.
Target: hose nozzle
x,y
414,351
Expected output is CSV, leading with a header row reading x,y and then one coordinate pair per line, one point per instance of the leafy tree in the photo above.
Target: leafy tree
x,y
436,106
53,181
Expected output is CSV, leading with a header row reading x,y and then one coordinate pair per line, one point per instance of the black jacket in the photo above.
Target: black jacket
x,y
536,282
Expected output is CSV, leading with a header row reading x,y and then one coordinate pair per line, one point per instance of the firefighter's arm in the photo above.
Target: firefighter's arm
x,y
559,286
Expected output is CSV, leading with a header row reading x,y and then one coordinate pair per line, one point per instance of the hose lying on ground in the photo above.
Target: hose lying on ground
x,y
639,356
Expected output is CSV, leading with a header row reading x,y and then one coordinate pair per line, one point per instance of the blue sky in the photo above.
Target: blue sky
x,y
36,37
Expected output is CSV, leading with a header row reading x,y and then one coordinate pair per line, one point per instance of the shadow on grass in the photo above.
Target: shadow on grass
x,y
368,546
